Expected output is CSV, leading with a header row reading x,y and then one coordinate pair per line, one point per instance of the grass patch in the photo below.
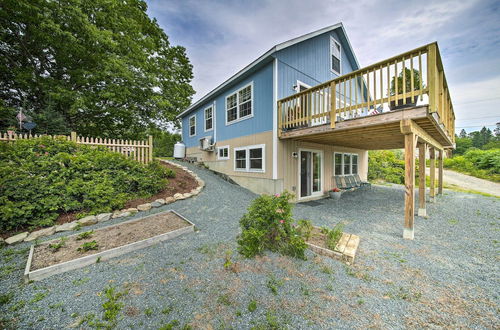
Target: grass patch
x,y
252,306
273,284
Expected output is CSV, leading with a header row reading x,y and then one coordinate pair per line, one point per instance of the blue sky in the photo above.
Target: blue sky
x,y
221,37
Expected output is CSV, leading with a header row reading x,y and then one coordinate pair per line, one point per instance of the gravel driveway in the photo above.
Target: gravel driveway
x,y
446,277
469,182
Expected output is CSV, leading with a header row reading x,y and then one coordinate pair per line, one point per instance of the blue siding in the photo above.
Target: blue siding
x,y
261,121
309,62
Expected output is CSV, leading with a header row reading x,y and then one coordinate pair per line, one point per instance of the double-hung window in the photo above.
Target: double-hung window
x,y
239,105
335,51
250,159
209,122
345,164
223,153
192,125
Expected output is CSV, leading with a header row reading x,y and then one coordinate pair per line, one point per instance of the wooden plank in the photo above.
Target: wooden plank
x,y
409,185
342,243
333,101
351,248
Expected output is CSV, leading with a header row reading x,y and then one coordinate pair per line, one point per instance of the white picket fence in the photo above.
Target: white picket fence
x,y
141,151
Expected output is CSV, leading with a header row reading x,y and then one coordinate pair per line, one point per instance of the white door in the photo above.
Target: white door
x,y
310,173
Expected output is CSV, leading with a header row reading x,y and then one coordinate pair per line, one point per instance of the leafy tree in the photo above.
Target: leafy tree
x,y
462,145
463,133
482,137
163,143
101,67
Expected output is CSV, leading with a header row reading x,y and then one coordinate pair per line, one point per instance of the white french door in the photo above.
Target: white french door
x,y
310,173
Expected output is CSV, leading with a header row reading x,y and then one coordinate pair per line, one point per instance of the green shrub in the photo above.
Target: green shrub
x,y
333,235
386,165
479,163
43,177
268,225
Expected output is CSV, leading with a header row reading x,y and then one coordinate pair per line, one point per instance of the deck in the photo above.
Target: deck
x,y
401,102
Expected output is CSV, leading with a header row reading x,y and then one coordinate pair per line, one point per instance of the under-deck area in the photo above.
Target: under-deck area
x,y
401,102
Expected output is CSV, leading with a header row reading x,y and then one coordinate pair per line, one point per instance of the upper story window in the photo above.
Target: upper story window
x,y
239,105
209,122
192,125
335,51
345,163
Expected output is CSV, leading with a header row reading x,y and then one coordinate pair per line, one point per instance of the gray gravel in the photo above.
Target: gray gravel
x,y
446,277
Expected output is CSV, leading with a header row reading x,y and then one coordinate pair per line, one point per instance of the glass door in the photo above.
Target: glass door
x,y
310,173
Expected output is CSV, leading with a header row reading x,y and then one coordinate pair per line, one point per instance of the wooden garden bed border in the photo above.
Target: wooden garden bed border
x,y
42,273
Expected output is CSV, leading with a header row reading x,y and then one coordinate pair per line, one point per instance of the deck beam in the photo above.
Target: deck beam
x,y
422,212
410,126
410,144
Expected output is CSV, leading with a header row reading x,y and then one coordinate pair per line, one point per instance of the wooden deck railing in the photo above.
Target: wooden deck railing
x,y
141,151
413,78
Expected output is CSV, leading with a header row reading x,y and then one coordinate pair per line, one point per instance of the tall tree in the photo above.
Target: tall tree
x,y
100,67
463,133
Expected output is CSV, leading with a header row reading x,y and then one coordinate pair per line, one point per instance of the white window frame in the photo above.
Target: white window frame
x,y
237,92
342,163
218,153
247,158
205,117
332,43
300,83
189,125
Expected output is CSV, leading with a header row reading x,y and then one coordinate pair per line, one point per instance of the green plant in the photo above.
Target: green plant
x,y
273,284
333,235
252,306
386,165
56,246
87,246
38,296
6,298
304,228
167,309
227,260
112,305
224,300
84,235
407,72
268,225
44,177
483,164
170,325
148,311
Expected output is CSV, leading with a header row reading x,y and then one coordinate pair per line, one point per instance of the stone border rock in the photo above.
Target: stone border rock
x,y
102,217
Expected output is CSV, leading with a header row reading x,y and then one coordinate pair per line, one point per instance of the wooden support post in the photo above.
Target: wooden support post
x,y
440,172
422,212
409,185
432,156
150,142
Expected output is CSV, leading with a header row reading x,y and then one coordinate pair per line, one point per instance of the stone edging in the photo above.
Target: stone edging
x,y
102,217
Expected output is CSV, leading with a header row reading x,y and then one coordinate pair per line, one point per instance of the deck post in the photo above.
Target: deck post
x,y
409,185
422,212
440,172
432,156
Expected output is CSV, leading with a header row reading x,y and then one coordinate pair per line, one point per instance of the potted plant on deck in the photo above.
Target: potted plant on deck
x,y
416,86
335,194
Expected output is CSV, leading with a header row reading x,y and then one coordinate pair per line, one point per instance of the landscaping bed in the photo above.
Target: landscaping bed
x,y
69,250
345,248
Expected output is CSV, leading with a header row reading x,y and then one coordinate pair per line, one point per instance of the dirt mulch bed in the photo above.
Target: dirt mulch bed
x,y
318,238
107,238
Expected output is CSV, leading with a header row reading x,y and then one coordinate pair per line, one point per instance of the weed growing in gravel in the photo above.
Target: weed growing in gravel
x,y
361,301
81,281
148,311
327,269
18,305
305,227
227,260
38,296
273,284
87,246
453,221
305,290
252,306
56,246
112,306
6,270
329,287
167,309
238,313
396,256
271,322
57,306
170,325
6,298
224,300
85,235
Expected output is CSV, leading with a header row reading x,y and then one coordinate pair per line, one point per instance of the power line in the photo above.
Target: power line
x,y
472,118
479,101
